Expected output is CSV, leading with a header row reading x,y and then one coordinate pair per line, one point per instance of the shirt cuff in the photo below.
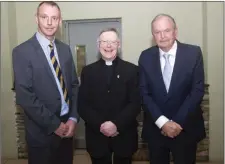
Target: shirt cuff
x,y
74,119
161,121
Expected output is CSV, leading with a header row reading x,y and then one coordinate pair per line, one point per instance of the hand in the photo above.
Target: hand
x,y
115,134
108,128
71,128
171,129
62,129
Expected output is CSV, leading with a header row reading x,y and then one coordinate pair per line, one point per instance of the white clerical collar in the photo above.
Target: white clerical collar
x,y
108,62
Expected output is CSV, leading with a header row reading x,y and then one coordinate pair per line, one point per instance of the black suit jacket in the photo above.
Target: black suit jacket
x,y
182,103
36,89
118,102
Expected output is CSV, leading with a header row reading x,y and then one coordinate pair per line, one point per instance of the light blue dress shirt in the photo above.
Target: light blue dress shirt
x,y
44,42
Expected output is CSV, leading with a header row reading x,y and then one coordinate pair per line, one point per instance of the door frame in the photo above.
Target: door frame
x,y
67,23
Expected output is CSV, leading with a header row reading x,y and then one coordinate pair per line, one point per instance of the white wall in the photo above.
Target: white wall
x,y
136,18
196,25
7,112
215,50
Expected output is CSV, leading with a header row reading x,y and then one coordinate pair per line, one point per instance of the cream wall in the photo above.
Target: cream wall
x,y
215,52
196,22
8,133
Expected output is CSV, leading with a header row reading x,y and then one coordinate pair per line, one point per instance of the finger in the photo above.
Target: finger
x,y
102,128
171,135
114,135
68,134
60,134
179,127
107,133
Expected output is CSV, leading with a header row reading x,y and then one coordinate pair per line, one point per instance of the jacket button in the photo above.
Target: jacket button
x,y
108,91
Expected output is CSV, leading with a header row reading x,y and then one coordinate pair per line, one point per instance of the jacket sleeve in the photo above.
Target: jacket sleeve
x,y
149,106
193,100
75,87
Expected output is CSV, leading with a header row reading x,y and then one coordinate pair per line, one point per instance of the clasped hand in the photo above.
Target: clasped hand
x,y
171,129
109,129
66,130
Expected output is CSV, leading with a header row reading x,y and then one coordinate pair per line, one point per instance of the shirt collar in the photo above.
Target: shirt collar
x,y
172,51
43,40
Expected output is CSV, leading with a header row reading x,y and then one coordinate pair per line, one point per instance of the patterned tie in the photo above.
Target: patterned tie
x,y
58,73
167,72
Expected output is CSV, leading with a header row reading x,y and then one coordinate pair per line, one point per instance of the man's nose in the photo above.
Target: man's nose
x,y
49,21
162,34
108,44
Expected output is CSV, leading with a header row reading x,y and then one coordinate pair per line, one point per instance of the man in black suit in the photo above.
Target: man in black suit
x,y
46,88
172,87
109,102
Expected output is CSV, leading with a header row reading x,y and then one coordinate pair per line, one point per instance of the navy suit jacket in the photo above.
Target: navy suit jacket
x,y
182,103
37,92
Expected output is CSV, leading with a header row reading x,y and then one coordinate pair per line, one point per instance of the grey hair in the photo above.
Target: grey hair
x,y
164,15
108,30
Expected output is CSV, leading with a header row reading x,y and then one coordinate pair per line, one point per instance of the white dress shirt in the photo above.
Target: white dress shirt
x,y
162,119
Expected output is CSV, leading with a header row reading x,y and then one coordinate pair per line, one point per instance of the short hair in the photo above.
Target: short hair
x,y
50,3
108,30
164,15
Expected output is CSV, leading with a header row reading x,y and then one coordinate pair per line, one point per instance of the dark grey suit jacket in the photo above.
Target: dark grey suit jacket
x,y
36,88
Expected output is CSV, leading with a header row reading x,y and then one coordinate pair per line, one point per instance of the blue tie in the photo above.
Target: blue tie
x,y
167,72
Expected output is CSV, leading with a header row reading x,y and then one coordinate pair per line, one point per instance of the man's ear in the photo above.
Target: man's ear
x,y
60,21
176,32
119,44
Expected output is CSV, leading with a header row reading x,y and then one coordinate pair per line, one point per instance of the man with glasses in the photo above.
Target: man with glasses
x,y
46,88
109,103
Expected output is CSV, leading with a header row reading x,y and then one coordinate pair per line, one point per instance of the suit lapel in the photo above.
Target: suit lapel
x,y
177,70
156,66
61,61
42,57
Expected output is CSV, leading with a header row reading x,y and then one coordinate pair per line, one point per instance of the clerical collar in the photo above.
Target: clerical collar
x,y
108,62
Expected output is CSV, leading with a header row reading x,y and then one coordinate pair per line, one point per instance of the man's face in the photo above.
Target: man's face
x,y
48,19
164,33
108,45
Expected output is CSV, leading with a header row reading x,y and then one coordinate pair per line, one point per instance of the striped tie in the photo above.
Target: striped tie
x,y
58,73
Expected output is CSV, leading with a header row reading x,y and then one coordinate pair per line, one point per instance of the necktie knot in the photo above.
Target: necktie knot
x,y
166,57
51,45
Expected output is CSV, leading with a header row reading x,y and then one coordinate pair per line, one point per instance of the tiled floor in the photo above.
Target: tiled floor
x,y
81,157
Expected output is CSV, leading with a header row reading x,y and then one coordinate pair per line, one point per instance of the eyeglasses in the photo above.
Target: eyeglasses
x,y
106,42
